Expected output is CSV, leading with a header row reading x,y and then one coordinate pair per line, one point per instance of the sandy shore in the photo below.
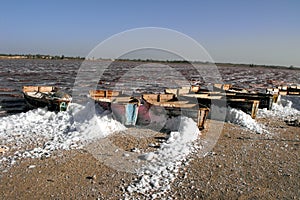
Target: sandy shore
x,y
242,165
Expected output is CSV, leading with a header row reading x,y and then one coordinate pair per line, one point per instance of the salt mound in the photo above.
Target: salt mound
x,y
284,109
37,133
163,165
239,117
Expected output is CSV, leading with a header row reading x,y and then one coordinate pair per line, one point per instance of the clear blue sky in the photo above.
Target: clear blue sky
x,y
261,31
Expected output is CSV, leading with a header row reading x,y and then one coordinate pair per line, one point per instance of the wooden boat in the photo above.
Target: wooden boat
x,y
248,106
46,96
104,97
174,107
265,100
124,108
285,90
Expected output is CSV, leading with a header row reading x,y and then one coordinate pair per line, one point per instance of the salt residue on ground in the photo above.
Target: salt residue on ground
x,y
163,165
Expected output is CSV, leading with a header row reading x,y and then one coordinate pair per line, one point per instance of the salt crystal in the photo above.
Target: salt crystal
x,y
31,166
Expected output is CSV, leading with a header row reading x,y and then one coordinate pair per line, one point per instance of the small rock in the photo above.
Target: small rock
x,y
135,150
92,177
151,145
3,149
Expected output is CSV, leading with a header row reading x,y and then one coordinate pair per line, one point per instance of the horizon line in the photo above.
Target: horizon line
x,y
66,57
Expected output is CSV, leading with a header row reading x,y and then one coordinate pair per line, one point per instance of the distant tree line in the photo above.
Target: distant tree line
x,y
155,61
40,56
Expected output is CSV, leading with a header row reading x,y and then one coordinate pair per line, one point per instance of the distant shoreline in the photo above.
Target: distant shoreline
x,y
39,56
62,57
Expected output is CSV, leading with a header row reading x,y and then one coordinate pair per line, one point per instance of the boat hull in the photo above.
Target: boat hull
x,y
46,96
51,104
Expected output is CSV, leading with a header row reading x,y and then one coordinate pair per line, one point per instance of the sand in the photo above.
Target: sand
x,y
242,165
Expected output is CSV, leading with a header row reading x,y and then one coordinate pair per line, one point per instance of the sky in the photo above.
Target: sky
x,y
254,32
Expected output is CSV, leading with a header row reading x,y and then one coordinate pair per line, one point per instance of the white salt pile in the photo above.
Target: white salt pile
x,y
93,122
37,133
240,118
163,165
283,109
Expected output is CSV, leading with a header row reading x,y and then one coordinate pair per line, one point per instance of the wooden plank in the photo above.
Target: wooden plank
x,y
166,97
227,86
254,109
150,97
171,91
174,105
97,93
202,116
196,95
30,88
183,90
222,86
158,97
46,89
282,92
248,106
39,89
112,93
195,88
218,85
293,93
285,87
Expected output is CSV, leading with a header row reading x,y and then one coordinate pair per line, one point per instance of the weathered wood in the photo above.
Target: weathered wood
x,y
220,86
97,93
158,97
46,89
30,88
196,95
165,97
266,101
248,106
255,107
276,97
104,93
183,90
39,89
195,88
202,116
178,91
171,91
285,90
46,96
173,104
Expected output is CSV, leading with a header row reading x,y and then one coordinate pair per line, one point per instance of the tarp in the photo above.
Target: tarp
x,y
131,114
